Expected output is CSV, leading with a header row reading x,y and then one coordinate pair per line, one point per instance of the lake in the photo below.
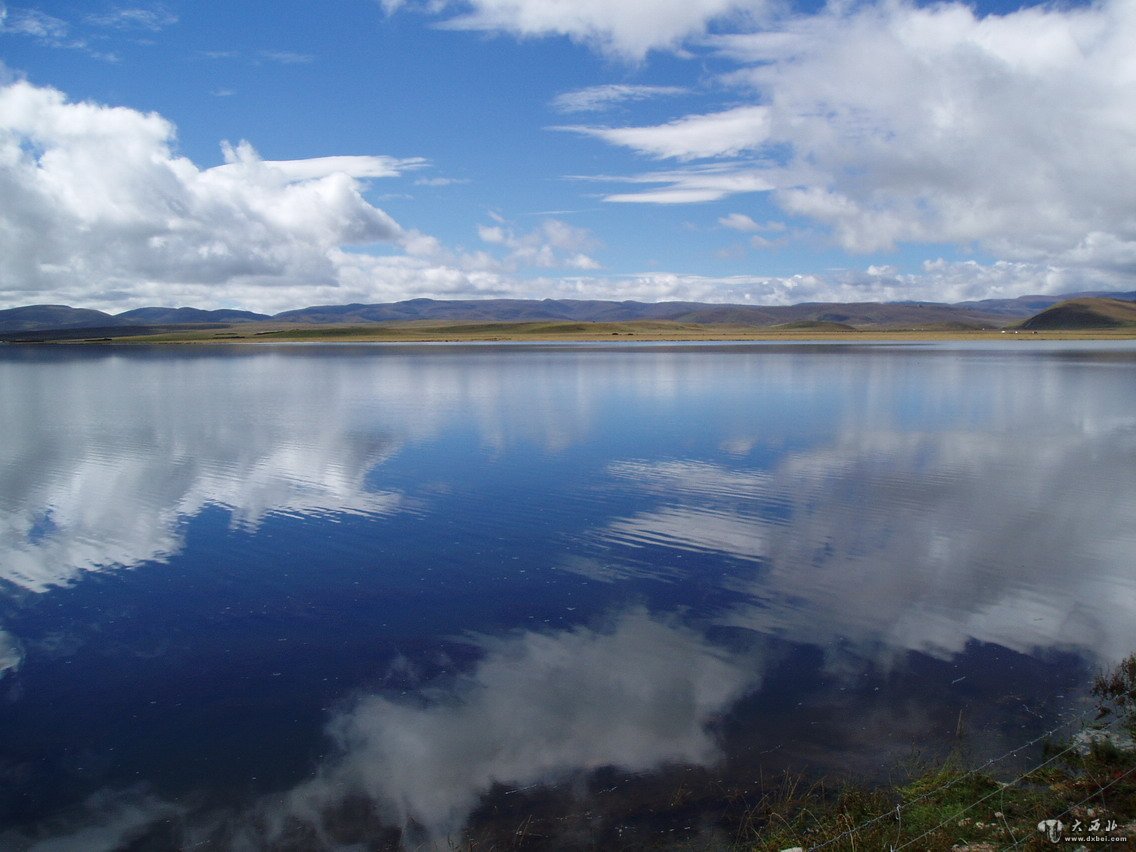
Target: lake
x,y
253,596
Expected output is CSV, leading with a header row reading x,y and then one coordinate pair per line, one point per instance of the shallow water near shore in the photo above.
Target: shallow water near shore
x,y
331,593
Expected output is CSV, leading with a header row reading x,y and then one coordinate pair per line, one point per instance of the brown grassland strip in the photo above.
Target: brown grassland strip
x,y
546,331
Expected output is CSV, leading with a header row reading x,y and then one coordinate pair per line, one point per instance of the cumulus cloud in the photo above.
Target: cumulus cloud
x,y
96,201
539,707
891,123
553,243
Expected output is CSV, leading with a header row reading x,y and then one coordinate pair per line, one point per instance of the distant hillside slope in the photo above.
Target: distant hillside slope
x,y
173,316
34,318
1087,313
38,317
1025,306
866,314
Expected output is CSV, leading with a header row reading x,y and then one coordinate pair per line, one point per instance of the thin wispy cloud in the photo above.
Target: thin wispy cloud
x,y
34,23
286,57
720,134
441,181
605,97
149,19
689,185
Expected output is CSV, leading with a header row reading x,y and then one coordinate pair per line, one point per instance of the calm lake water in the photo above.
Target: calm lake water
x,y
330,594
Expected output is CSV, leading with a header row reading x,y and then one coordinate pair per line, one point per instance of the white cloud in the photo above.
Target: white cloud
x,y
600,98
691,184
719,134
151,19
243,156
32,22
625,30
893,123
96,202
47,30
441,181
551,244
287,57
738,222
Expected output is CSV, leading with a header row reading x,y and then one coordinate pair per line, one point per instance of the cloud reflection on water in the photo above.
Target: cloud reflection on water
x,y
539,707
892,542
11,655
109,454
899,524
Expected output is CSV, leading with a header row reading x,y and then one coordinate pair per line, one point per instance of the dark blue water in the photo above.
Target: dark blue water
x,y
335,594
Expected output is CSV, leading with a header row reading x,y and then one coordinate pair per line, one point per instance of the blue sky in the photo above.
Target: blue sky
x,y
272,156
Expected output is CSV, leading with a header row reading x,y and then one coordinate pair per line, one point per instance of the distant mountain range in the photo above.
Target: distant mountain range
x,y
16,323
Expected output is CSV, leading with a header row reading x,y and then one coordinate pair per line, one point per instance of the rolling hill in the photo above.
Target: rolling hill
x,y
1085,313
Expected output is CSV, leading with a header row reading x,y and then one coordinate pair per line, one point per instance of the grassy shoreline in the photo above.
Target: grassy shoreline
x,y
568,332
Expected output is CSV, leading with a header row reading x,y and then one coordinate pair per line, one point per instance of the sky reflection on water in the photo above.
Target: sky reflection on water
x,y
289,578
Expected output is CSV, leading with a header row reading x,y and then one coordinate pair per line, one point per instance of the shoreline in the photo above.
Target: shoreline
x,y
546,332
